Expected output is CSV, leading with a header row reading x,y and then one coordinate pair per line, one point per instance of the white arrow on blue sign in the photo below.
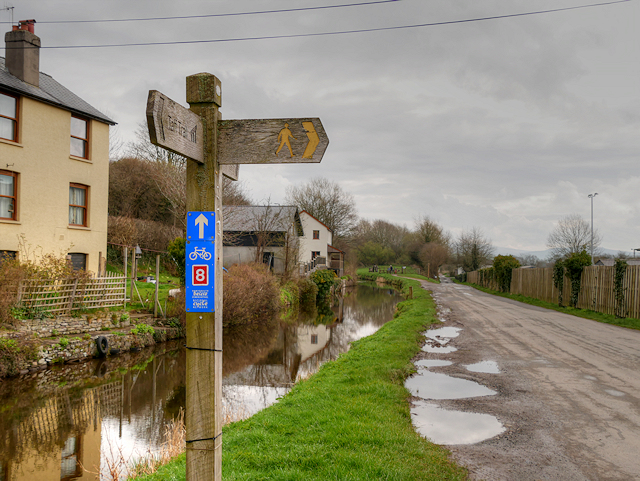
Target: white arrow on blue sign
x,y
201,226
200,262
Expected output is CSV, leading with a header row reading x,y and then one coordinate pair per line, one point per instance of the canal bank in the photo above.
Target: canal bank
x,y
351,420
35,344
87,412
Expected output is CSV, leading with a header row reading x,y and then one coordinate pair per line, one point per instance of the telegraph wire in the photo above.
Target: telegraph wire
x,y
343,32
259,12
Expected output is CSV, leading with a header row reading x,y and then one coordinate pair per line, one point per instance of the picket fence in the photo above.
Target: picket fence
x,y
597,291
66,295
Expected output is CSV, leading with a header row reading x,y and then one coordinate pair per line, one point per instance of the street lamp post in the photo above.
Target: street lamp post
x,y
591,196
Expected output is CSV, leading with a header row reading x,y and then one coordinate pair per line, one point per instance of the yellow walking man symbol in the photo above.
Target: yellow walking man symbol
x,y
283,138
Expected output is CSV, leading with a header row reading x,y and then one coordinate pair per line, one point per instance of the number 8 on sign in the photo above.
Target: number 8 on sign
x,y
200,275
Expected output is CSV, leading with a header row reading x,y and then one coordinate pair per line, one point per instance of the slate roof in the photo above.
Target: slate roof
x,y
50,92
247,218
611,262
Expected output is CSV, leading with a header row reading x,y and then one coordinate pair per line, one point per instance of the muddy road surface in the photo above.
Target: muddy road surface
x,y
568,390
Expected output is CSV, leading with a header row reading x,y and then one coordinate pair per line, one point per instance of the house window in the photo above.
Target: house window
x,y
314,339
79,137
78,204
8,197
70,465
314,254
8,117
7,256
78,261
316,234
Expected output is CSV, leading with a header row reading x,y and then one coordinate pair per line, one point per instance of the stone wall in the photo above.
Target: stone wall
x,y
77,349
66,325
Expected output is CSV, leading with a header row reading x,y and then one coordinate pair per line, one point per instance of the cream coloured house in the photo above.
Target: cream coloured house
x,y
54,161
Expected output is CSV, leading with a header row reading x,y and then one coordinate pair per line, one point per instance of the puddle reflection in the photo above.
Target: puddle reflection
x,y
447,332
453,427
437,348
433,385
487,367
432,363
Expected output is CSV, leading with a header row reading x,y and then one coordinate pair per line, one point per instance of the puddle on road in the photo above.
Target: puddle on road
x,y
437,348
487,367
432,363
433,385
613,392
443,332
453,427
437,339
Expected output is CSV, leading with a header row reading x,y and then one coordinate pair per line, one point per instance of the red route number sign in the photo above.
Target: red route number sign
x,y
200,275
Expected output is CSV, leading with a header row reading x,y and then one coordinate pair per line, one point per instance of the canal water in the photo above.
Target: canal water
x,y
73,421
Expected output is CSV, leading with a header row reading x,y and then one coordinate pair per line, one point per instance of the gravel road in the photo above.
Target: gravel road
x,y
568,390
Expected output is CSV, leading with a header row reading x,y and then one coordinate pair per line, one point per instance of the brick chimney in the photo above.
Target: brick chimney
x,y
23,52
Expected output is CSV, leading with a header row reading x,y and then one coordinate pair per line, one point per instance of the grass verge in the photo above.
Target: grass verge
x,y
350,421
628,322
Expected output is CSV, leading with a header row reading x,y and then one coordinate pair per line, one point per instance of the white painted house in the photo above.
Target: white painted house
x,y
316,242
316,239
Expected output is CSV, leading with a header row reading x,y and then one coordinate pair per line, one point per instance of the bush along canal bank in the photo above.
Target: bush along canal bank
x,y
351,420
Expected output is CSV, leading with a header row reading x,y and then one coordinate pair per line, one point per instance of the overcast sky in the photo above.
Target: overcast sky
x,y
504,124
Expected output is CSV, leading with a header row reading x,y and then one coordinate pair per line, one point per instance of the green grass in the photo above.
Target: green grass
x,y
147,290
364,273
350,421
628,322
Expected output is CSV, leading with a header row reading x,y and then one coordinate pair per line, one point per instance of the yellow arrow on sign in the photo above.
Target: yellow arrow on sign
x,y
314,140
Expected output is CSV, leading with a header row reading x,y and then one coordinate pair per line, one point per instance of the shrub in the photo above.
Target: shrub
x,y
503,267
289,294
308,292
324,280
143,329
64,342
574,264
177,249
14,353
250,295
558,279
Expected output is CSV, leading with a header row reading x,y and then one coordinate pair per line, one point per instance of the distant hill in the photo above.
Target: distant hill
x,y
508,251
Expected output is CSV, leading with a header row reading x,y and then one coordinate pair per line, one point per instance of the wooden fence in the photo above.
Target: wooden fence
x,y
597,291
66,295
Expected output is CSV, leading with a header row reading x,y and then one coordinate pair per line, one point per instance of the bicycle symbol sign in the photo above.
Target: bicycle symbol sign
x,y
200,262
200,252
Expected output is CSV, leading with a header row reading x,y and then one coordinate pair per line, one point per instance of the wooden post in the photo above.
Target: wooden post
x,y
126,262
155,304
204,330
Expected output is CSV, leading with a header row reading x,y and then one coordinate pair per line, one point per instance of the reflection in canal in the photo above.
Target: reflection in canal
x,y
69,422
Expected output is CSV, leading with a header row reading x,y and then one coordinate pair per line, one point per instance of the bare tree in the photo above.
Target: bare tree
x,y
431,231
142,148
473,249
572,235
382,233
433,255
327,202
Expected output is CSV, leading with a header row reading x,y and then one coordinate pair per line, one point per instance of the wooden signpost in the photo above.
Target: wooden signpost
x,y
215,148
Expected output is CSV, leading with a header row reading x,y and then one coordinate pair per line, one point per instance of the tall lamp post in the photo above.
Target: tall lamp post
x,y
591,196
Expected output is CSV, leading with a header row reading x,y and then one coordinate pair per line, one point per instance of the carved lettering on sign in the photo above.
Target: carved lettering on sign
x,y
174,127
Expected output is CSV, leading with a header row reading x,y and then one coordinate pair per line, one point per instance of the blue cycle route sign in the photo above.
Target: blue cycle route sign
x,y
200,262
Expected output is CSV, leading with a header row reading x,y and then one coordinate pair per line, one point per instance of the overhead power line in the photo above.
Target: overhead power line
x,y
342,32
183,17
